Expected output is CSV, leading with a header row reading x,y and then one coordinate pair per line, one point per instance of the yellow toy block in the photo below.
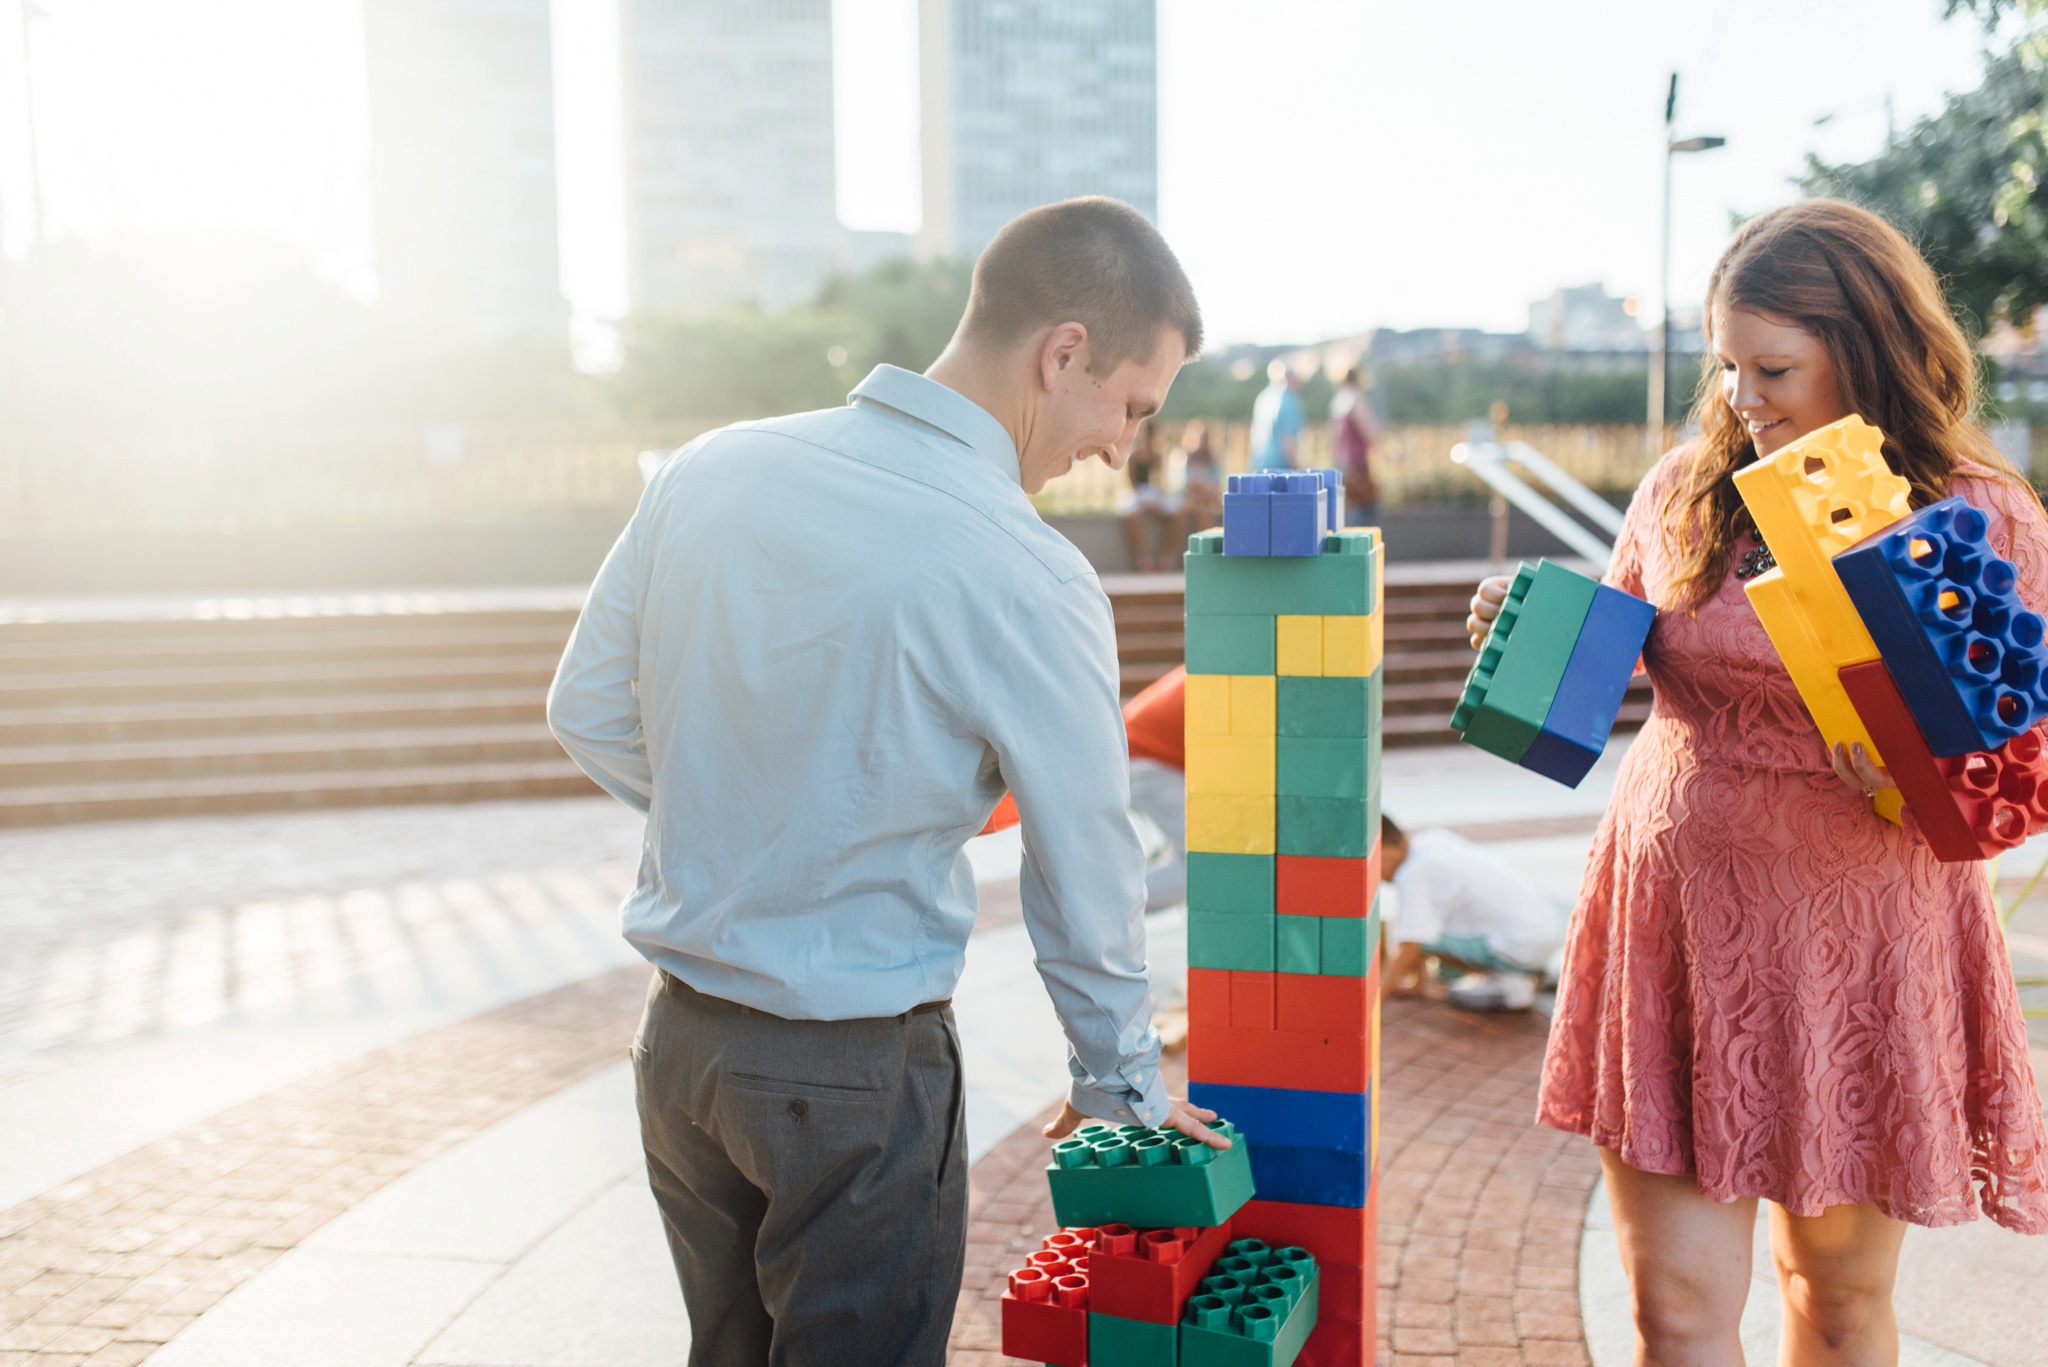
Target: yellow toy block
x,y
1230,764
1820,495
1206,703
1298,646
1347,646
1230,823
1254,704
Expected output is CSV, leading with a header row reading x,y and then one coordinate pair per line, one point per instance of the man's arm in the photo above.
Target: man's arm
x,y
1058,733
594,702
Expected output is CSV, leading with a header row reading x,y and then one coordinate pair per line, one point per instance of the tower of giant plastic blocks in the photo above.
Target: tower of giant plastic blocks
x,y
1284,639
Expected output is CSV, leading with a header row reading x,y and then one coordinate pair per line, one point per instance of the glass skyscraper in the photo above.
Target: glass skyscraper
x,y
730,189
462,164
1030,101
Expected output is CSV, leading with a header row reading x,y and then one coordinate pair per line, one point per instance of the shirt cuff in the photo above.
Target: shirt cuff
x,y
1136,1095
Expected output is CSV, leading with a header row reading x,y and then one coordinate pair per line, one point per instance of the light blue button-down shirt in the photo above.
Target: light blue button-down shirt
x,y
820,651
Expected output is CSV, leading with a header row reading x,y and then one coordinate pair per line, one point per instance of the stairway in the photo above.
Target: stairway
x,y
441,701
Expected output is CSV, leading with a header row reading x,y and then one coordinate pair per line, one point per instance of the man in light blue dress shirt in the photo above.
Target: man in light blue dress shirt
x,y
823,648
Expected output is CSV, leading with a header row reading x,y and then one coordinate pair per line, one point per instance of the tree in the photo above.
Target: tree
x,y
1970,184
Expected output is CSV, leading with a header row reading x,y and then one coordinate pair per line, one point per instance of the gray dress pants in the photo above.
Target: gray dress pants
x,y
812,1177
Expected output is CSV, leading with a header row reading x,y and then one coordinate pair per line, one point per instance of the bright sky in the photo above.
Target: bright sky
x,y
1326,165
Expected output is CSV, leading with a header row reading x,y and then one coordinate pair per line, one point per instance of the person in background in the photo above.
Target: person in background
x,y
1354,431
1148,502
1277,420
1471,910
1201,498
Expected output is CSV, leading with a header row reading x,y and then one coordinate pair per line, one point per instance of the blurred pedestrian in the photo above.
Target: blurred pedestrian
x,y
1276,419
1354,432
1201,497
822,648
1148,503
1472,911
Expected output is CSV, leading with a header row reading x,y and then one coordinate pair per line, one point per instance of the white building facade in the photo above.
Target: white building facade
x,y
730,187
1026,102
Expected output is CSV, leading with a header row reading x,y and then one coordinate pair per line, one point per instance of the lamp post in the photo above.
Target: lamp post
x,y
1661,347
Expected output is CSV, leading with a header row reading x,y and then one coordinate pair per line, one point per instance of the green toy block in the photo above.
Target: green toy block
x,y
1511,686
1147,1177
1223,939
1326,707
1118,1342
1344,943
1300,940
1330,826
1255,1309
1209,542
1236,644
1326,585
1236,883
1321,766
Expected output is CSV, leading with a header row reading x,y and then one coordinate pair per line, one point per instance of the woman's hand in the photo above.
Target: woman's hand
x,y
1486,601
1855,767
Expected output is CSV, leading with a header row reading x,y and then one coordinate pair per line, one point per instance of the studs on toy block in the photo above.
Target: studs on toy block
x,y
1150,1274
1045,1304
2003,793
1255,1310
1966,654
1285,513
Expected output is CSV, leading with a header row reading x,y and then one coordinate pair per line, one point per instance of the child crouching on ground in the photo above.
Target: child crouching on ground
x,y
1472,911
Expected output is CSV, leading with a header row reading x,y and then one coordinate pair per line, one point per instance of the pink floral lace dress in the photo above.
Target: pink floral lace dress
x,y
1768,986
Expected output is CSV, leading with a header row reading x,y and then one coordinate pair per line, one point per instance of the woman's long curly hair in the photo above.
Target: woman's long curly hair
x,y
1854,282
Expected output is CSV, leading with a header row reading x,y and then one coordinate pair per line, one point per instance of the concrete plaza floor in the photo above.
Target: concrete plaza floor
x,y
349,1088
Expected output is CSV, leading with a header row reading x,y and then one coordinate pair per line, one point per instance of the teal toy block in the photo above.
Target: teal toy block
x,y
1150,1178
1513,683
1347,941
1230,644
1237,884
1300,943
1321,766
1117,1342
1334,827
1325,585
1222,939
1331,708
1256,1309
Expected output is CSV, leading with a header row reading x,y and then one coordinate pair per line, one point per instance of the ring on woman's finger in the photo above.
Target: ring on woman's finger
x,y
1870,792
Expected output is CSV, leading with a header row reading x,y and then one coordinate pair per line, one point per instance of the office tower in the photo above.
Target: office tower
x,y
1030,101
729,171
462,164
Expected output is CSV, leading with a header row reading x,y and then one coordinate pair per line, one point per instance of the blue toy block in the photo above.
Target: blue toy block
x,y
1247,515
1589,694
1964,651
1311,1148
1299,514
1333,490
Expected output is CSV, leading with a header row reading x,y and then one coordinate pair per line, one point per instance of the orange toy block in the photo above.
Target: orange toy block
x,y
1252,999
1209,997
1322,1003
1309,1061
1318,885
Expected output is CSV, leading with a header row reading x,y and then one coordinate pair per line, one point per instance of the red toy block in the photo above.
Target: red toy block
x,y
1921,781
1337,1235
1252,1001
1318,885
1324,1003
1337,1343
1149,1274
2001,794
1209,997
1045,1305
1309,1061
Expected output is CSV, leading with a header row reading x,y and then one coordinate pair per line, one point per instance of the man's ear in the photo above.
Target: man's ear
x,y
1064,348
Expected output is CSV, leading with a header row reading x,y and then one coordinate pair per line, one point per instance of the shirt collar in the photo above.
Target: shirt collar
x,y
947,410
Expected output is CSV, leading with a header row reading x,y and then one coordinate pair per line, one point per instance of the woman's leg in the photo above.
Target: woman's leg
x,y
1835,1272
1688,1258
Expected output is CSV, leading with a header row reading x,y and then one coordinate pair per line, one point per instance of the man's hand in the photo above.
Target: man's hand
x,y
1408,974
1186,1117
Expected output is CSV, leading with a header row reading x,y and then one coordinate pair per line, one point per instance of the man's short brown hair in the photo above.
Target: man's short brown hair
x,y
1095,261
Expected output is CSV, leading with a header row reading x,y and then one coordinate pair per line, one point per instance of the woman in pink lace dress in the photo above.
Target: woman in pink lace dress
x,y
1769,991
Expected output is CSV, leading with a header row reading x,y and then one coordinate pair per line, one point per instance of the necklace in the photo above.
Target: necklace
x,y
1757,559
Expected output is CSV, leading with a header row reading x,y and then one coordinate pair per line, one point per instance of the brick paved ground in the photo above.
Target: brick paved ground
x,y
102,1270
1480,1211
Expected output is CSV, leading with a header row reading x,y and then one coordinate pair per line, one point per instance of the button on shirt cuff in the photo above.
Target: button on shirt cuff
x,y
1137,1096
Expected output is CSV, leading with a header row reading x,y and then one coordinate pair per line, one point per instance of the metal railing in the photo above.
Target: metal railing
x,y
1490,461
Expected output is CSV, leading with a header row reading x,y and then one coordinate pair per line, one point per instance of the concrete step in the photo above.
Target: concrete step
x,y
31,766
89,723
290,792
23,658
305,678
